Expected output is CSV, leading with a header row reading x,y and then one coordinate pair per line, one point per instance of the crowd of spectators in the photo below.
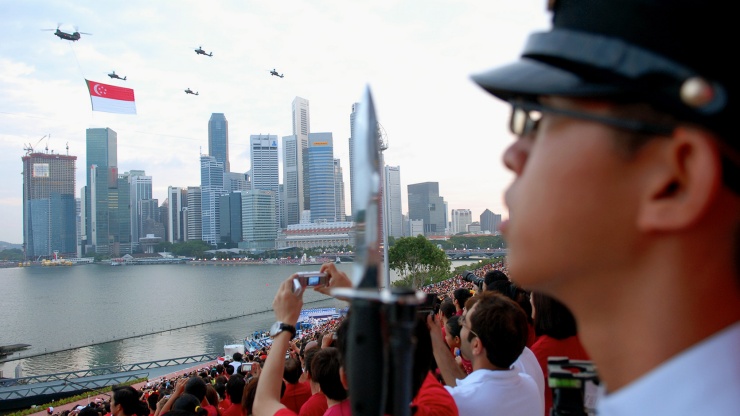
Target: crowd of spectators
x,y
311,383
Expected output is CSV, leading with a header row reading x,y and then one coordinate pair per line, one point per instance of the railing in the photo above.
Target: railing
x,y
101,371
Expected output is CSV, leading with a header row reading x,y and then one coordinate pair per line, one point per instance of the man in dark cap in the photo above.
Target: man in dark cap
x,y
626,199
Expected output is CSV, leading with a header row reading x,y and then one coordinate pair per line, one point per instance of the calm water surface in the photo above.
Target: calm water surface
x,y
96,315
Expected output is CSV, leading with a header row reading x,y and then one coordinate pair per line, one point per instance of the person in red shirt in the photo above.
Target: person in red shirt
x,y
557,335
316,405
234,392
296,393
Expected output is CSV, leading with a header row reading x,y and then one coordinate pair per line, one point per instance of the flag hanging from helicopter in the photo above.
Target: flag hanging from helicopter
x,y
110,98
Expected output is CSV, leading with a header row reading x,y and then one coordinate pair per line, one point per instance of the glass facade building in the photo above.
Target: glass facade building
x,y
258,220
321,176
101,168
211,188
426,204
218,139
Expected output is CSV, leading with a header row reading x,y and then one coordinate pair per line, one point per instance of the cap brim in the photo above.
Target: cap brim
x,y
530,78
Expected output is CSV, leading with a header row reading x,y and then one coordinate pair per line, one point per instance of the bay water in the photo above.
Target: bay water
x,y
86,316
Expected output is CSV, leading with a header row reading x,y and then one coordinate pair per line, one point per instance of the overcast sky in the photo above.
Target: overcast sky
x,y
417,56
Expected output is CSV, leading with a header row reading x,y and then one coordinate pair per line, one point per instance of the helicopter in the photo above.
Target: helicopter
x,y
75,36
200,51
274,72
114,75
189,91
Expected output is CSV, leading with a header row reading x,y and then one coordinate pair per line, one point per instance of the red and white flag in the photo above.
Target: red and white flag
x,y
111,99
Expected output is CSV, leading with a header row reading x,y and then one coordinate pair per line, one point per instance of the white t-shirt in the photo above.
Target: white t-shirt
x,y
703,380
502,392
527,363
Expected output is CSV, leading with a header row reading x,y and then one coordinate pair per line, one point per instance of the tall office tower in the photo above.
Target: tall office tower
x,y
234,181
231,217
489,221
265,169
392,190
194,217
218,139
321,176
339,207
281,205
83,220
49,207
141,190
258,219
79,220
177,205
352,185
211,188
461,218
119,219
426,204
293,179
101,168
301,129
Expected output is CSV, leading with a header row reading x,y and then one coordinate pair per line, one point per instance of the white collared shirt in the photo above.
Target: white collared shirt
x,y
502,392
703,380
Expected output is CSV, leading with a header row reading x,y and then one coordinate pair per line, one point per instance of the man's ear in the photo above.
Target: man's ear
x,y
682,177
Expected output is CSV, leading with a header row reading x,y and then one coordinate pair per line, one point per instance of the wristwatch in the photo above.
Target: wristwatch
x,y
279,327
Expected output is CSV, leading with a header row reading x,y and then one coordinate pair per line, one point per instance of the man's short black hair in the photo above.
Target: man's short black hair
x,y
325,371
235,388
501,325
494,275
196,386
292,370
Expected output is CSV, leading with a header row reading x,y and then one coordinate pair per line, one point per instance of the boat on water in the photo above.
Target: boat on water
x,y
56,262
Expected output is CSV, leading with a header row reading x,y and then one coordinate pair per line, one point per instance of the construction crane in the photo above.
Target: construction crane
x,y
29,148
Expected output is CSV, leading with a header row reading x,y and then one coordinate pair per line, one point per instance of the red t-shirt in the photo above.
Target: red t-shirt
x,y
343,408
315,406
296,395
546,346
433,399
233,410
285,412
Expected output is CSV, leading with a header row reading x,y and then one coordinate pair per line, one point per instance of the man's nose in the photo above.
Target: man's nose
x,y
515,156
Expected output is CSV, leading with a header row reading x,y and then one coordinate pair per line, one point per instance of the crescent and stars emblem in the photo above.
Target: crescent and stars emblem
x,y
99,89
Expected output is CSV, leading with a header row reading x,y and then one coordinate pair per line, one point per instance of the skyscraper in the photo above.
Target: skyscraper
x,y
49,206
341,213
352,185
392,188
177,214
218,139
141,190
301,129
195,219
426,204
102,174
265,169
211,188
321,176
119,219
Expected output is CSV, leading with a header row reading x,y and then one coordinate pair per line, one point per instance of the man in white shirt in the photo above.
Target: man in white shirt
x,y
493,335
625,204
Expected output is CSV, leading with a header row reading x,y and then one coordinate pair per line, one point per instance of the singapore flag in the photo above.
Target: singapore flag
x,y
111,99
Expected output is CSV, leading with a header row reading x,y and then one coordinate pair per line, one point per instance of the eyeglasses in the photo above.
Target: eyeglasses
x,y
526,115
462,324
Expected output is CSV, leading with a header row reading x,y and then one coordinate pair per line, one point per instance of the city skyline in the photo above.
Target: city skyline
x,y
416,59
